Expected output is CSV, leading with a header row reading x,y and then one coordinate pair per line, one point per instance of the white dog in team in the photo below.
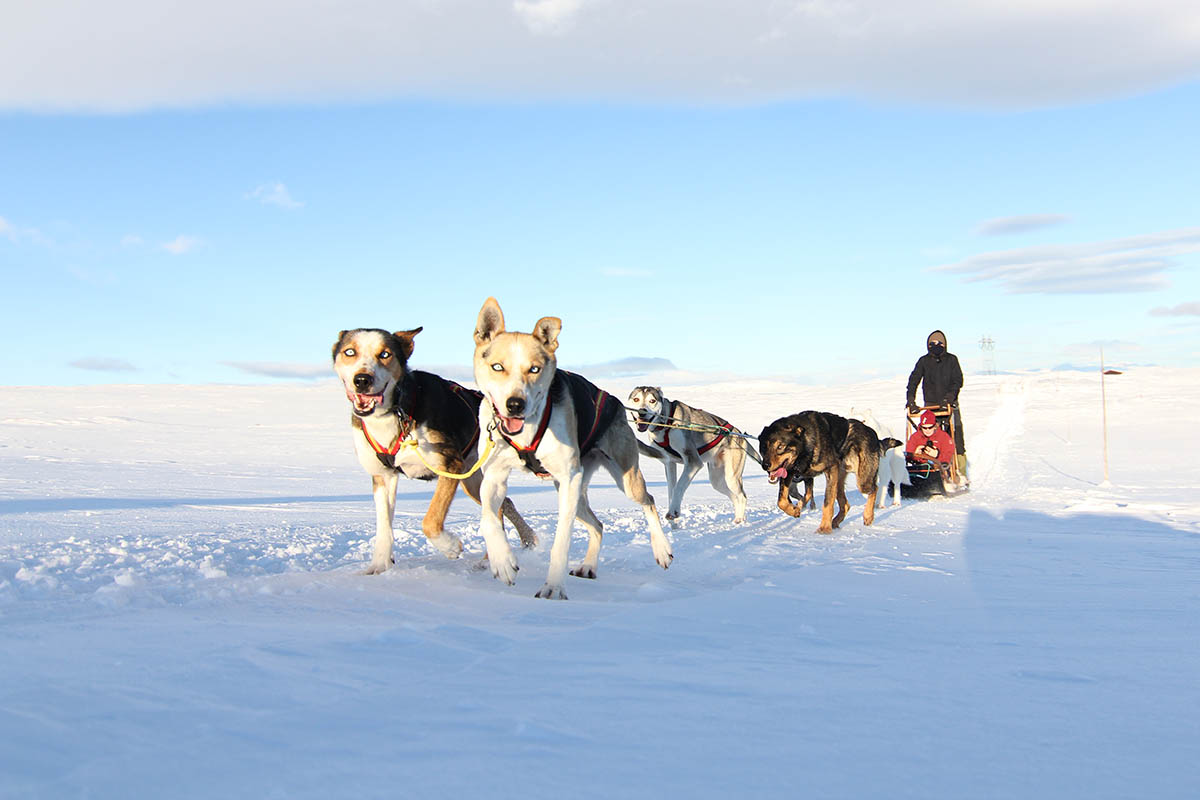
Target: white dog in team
x,y
892,468
553,423
700,439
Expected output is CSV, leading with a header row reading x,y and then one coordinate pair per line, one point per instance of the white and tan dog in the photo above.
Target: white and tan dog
x,y
892,469
393,405
550,422
703,445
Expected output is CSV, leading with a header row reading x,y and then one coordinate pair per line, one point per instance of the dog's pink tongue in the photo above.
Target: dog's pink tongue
x,y
512,424
778,474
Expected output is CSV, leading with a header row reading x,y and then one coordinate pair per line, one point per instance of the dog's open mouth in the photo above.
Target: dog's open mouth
x,y
364,403
777,474
642,424
511,425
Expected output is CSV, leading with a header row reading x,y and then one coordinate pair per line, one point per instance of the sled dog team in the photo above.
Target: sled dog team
x,y
528,414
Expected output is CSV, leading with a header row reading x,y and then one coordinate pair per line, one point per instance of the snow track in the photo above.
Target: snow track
x,y
987,451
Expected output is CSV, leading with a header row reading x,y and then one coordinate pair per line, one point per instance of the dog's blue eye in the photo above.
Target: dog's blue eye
x,y
385,355
349,351
534,370
497,367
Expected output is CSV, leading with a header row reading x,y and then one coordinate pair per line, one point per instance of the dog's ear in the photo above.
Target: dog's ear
x,y
337,345
800,432
406,341
490,322
546,331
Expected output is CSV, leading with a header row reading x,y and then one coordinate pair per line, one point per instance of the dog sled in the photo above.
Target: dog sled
x,y
932,478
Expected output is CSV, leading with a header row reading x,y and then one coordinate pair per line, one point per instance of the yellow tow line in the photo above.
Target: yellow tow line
x,y
411,444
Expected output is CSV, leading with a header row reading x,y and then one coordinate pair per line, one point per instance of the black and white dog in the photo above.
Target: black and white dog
x,y
405,422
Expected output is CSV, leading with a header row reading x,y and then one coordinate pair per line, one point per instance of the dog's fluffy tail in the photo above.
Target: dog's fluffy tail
x,y
888,444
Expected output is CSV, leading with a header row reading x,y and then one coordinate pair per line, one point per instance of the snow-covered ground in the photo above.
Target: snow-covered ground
x,y
182,614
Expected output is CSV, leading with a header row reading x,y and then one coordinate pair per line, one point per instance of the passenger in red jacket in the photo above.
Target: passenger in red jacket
x,y
929,442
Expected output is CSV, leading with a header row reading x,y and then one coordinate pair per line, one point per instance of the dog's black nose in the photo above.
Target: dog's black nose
x,y
515,406
363,382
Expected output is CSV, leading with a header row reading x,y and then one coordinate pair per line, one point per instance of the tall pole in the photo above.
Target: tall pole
x,y
1104,416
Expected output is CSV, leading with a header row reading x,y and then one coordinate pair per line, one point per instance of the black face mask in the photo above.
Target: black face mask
x,y
937,350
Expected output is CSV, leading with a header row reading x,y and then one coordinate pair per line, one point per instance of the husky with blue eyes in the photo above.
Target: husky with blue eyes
x,y
558,425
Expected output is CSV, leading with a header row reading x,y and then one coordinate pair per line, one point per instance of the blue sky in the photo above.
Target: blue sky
x,y
220,218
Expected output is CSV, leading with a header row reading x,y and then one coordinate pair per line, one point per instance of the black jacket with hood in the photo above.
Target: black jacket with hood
x,y
939,373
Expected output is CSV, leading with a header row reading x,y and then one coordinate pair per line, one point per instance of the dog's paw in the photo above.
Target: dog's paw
x,y
548,592
447,544
376,567
505,568
739,520
672,515
584,571
662,554
792,511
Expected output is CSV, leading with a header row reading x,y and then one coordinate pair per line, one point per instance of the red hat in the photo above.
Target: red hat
x,y
929,418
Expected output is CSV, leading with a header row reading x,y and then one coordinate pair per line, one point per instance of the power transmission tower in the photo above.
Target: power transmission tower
x,y
988,346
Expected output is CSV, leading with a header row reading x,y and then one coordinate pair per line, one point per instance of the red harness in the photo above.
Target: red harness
x,y
713,443
666,441
387,455
527,453
537,437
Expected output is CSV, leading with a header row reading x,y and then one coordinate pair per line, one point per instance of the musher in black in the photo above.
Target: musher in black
x,y
941,378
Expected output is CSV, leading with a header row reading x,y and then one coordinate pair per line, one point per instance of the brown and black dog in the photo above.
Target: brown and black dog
x,y
811,443
393,405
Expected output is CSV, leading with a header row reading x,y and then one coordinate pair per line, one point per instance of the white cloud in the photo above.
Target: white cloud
x,y
1019,224
1181,310
143,54
103,364
16,234
181,244
274,194
1137,263
547,17
273,369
